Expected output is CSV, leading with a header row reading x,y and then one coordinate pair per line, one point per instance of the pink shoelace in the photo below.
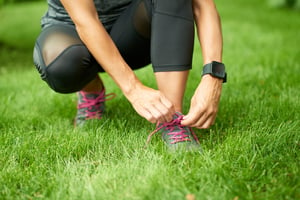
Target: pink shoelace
x,y
94,104
178,136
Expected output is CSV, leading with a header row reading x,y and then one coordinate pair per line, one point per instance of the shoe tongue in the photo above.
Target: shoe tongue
x,y
177,115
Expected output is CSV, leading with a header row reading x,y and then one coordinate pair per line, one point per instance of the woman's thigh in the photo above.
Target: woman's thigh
x,y
160,32
131,34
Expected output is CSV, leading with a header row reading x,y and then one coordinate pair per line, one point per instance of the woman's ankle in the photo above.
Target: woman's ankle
x,y
95,86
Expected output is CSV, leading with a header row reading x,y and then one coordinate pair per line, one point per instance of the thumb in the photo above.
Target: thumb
x,y
191,118
186,120
185,117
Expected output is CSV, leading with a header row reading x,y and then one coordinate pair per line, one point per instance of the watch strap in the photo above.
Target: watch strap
x,y
216,69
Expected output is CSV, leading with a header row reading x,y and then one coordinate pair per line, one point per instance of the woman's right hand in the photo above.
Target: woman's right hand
x,y
151,104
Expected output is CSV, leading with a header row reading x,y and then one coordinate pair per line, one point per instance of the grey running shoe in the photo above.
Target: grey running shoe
x,y
90,106
176,136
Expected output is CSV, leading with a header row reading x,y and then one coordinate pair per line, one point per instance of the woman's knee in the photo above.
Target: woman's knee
x,y
70,71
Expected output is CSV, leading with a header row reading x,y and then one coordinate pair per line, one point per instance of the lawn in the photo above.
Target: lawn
x,y
252,151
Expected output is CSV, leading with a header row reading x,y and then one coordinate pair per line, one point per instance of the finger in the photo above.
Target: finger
x,y
213,120
203,123
198,121
164,112
156,113
191,119
145,114
207,121
207,124
211,117
168,109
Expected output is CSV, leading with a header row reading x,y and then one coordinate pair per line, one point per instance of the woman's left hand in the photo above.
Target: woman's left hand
x,y
204,103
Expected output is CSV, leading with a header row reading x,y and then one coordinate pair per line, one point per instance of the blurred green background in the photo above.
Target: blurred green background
x,y
21,31
252,152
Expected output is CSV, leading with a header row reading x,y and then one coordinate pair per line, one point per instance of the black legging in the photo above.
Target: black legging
x,y
160,32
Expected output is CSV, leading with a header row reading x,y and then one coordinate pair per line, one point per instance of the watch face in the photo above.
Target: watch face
x,y
218,69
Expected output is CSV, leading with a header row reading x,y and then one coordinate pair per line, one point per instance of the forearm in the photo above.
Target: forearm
x,y
107,55
209,30
100,44
204,103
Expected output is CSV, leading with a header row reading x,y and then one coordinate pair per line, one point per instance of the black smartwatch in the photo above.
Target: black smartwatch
x,y
216,69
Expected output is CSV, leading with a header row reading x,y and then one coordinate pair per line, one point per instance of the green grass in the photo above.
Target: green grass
x,y
252,152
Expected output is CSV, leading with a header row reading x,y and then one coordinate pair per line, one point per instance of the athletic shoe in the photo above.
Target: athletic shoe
x,y
90,106
177,136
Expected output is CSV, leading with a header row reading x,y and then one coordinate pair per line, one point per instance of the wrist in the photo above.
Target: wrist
x,y
215,69
130,86
211,79
124,77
